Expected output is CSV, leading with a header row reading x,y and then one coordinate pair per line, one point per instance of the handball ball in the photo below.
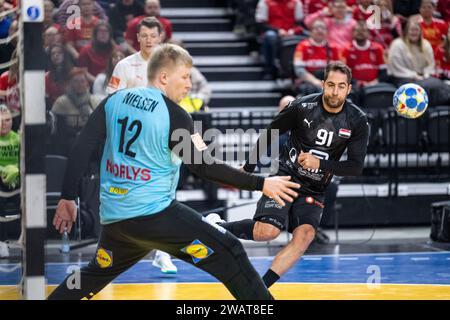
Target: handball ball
x,y
410,101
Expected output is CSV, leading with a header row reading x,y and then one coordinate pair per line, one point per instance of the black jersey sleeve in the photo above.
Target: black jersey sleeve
x,y
91,138
191,149
356,152
286,120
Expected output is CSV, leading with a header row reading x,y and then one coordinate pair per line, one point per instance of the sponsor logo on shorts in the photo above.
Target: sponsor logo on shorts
x,y
198,251
273,222
119,191
311,200
104,258
272,204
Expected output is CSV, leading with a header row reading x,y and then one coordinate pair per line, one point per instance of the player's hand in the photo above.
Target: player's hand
x,y
65,215
308,161
279,188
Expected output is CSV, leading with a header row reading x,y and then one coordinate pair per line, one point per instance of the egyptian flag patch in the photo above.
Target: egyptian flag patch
x,y
344,133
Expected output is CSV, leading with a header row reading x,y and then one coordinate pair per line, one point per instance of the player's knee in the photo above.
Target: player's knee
x,y
303,236
265,232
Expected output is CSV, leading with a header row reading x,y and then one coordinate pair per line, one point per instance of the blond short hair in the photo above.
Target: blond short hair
x,y
167,56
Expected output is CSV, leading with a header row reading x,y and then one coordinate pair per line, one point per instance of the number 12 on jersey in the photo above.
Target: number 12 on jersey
x,y
124,122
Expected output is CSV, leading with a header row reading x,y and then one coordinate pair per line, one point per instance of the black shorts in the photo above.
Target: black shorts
x,y
180,231
306,209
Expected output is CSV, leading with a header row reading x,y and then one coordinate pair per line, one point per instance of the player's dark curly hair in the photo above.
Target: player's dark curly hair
x,y
341,67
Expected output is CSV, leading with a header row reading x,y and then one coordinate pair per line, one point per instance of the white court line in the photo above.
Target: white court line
x,y
9,270
384,258
420,259
271,258
349,258
380,254
312,258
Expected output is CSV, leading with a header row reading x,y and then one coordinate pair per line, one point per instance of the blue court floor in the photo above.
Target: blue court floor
x,y
412,268
393,268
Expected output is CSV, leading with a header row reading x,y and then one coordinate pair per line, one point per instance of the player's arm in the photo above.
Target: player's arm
x,y
356,152
189,146
90,139
286,120
118,78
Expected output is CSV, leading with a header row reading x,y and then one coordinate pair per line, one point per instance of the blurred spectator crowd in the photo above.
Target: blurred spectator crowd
x,y
382,41
395,41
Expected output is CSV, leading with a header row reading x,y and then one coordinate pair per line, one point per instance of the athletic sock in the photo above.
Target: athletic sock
x,y
270,278
242,229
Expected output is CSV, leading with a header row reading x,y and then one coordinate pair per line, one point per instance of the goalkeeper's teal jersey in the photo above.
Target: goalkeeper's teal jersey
x,y
139,173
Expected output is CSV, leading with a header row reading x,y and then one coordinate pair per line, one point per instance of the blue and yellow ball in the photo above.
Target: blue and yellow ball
x,y
410,101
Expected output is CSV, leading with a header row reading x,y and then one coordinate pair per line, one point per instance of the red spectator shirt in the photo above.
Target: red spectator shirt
x,y
12,98
385,35
314,57
53,89
81,37
130,33
442,65
359,13
95,62
444,8
12,2
311,6
280,14
434,32
365,62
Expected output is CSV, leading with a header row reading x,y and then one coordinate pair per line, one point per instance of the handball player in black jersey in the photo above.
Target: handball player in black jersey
x,y
322,126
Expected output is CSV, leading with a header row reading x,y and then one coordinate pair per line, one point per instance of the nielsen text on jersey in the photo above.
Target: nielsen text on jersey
x,y
136,101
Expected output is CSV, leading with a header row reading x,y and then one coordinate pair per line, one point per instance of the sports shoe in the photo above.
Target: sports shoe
x,y
4,251
214,218
162,260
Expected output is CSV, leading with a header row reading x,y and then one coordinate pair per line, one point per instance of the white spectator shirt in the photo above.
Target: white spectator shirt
x,y
130,72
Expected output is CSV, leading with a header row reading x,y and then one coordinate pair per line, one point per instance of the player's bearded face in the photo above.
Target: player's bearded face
x,y
333,101
335,90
